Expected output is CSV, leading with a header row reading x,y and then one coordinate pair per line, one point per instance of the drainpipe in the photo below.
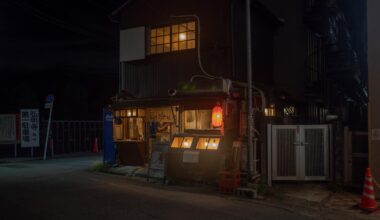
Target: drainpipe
x,y
249,80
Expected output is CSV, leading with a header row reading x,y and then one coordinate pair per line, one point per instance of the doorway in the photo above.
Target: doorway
x,y
299,152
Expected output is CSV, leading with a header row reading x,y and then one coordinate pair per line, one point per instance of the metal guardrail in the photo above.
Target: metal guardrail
x,y
66,137
75,136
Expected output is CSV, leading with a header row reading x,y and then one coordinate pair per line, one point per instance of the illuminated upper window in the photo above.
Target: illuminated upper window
x,y
172,38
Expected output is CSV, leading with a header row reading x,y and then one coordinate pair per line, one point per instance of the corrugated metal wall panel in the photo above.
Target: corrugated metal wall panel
x,y
153,78
314,152
286,156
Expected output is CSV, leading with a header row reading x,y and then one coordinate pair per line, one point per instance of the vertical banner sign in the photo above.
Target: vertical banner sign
x,y
109,151
30,128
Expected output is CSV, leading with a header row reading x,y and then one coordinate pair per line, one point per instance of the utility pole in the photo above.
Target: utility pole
x,y
373,7
250,118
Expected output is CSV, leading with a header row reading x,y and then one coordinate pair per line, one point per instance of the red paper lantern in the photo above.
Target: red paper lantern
x,y
217,116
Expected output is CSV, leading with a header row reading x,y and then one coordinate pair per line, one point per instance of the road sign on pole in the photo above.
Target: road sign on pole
x,y
49,101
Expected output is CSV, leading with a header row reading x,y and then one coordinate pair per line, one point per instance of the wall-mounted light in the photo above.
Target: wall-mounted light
x,y
134,112
290,111
271,111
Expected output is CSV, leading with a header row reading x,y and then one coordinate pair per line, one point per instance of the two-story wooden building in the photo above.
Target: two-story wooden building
x,y
183,81
183,87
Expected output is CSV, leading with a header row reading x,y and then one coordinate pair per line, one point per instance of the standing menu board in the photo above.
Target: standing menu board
x,y
156,168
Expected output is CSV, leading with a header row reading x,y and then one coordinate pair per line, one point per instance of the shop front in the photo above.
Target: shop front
x,y
136,130
196,134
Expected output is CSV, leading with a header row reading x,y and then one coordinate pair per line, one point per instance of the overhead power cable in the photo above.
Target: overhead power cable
x,y
55,21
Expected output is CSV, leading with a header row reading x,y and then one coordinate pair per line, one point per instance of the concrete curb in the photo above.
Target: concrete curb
x,y
129,171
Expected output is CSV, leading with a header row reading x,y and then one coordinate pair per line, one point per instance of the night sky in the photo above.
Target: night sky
x,y
68,48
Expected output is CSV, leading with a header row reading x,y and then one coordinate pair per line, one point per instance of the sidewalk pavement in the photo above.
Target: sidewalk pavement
x,y
318,197
344,201
312,199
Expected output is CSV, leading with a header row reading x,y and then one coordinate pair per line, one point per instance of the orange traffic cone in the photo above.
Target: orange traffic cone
x,y
95,148
368,202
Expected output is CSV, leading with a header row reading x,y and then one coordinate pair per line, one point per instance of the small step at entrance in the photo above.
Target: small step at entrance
x,y
246,192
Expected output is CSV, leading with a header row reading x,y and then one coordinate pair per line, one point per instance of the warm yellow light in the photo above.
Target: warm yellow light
x,y
129,113
270,112
182,36
202,143
213,144
187,141
217,116
118,132
177,141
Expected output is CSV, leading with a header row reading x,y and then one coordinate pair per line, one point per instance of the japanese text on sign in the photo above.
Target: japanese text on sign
x,y
30,129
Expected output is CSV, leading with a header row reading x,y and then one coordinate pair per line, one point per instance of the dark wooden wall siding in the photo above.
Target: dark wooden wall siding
x,y
157,73
263,50
262,41
222,28
153,78
290,47
239,40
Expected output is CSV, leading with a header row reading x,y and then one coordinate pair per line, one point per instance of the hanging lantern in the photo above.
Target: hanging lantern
x,y
217,116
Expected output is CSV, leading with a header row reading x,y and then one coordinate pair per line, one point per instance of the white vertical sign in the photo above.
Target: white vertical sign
x,y
30,128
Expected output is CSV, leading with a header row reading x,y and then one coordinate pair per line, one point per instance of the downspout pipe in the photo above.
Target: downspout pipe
x,y
250,118
205,74
260,91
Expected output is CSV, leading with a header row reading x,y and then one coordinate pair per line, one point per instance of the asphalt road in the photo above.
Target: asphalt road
x,y
65,189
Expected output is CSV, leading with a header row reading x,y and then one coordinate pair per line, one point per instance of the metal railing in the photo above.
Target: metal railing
x,y
75,136
65,137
